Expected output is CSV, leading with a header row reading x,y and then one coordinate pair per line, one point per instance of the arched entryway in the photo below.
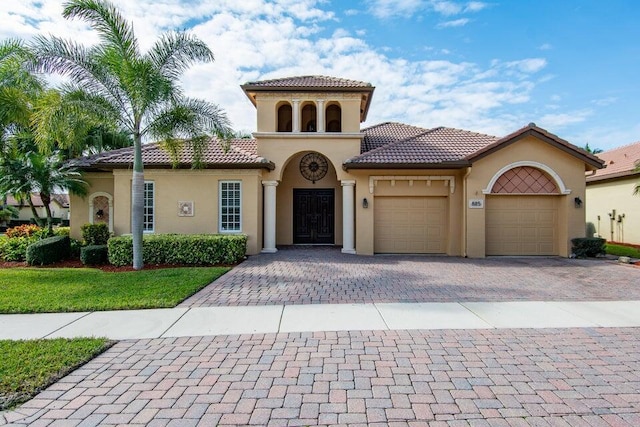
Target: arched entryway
x,y
309,201
522,211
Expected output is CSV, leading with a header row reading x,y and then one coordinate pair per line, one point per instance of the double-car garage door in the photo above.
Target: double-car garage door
x,y
522,225
410,225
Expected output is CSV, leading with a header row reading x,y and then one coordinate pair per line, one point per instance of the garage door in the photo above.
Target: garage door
x,y
522,225
410,225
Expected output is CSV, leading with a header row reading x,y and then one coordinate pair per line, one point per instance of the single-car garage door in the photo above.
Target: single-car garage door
x,y
522,225
410,225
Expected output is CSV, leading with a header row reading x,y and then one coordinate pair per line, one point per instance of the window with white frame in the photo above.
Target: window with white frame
x,y
148,222
230,206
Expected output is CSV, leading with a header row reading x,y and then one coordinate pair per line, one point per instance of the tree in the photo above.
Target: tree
x,y
139,91
592,150
24,169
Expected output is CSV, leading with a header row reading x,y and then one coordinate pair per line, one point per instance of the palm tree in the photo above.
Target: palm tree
x,y
592,150
139,91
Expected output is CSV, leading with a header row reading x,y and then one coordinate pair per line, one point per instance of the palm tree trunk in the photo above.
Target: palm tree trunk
x,y
46,201
34,212
137,203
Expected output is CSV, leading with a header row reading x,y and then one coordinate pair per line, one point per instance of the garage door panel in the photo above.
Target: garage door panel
x,y
410,224
521,225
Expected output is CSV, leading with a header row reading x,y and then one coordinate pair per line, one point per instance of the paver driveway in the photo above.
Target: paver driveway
x,y
319,275
568,377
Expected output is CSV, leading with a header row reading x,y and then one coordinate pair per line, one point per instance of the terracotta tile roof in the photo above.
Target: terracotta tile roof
x,y
543,134
61,199
397,144
619,162
241,154
308,82
384,133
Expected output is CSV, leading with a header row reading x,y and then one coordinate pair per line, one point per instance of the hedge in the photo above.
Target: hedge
x,y
93,254
48,251
588,246
189,249
95,234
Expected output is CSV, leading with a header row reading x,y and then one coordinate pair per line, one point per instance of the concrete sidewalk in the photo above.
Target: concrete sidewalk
x,y
207,321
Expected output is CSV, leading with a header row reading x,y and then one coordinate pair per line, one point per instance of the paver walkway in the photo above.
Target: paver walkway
x,y
324,275
569,377
587,376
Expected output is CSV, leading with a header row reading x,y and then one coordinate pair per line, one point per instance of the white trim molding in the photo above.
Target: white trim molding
x,y
109,200
541,166
449,180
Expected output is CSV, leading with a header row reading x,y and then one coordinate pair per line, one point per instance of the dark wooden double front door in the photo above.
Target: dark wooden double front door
x,y
313,216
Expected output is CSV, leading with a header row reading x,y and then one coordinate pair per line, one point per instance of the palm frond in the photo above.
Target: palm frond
x,y
174,52
105,18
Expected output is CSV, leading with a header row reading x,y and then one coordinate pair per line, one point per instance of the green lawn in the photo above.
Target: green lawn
x,y
27,367
620,250
47,290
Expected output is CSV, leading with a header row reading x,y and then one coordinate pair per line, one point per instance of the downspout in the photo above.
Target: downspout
x,y
464,211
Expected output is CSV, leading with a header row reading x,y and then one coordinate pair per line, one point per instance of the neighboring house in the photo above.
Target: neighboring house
x,y
59,207
312,176
613,211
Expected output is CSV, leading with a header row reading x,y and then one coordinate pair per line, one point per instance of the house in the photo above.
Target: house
x,y
311,175
59,206
613,211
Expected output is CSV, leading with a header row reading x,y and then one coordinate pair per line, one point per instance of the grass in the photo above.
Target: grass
x,y
49,290
621,250
27,367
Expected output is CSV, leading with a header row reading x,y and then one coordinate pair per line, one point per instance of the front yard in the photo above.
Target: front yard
x,y
52,290
27,367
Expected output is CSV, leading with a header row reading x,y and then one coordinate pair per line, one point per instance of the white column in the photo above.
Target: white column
x,y
348,216
295,115
269,244
320,114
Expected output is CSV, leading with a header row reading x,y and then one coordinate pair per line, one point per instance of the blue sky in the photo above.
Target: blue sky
x,y
490,66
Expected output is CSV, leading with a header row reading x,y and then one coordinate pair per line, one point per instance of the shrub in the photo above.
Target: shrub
x,y
62,231
93,254
95,234
588,246
190,249
75,246
25,230
48,251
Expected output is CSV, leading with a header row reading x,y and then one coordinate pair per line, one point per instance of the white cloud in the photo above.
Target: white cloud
x,y
259,39
603,102
475,6
529,65
392,8
455,23
560,120
545,46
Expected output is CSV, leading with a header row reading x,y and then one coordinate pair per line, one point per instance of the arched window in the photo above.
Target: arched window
x,y
285,118
334,118
525,180
308,118
101,209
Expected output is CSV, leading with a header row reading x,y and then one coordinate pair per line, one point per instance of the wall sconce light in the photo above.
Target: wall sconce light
x,y
578,202
100,214
365,203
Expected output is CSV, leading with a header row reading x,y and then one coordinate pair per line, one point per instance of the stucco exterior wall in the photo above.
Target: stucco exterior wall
x,y
402,187
530,149
172,186
267,105
79,206
606,196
